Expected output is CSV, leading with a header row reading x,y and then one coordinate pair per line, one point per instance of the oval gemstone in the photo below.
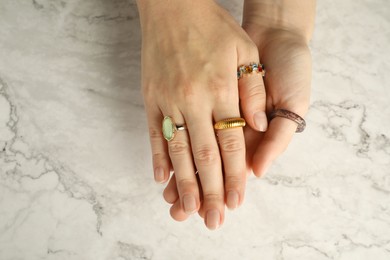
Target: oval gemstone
x,y
168,128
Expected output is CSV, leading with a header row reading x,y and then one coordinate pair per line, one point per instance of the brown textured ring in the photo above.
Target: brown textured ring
x,y
292,116
230,123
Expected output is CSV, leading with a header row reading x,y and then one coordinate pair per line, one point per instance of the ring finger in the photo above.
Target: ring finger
x,y
232,146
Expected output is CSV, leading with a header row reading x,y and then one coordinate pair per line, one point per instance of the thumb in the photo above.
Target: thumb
x,y
253,97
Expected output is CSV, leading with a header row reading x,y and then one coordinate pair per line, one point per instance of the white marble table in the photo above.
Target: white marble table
x,y
75,168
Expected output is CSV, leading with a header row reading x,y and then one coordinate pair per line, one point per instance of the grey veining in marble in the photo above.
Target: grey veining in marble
x,y
75,169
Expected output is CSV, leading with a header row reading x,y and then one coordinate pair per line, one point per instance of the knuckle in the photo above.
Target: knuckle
x,y
250,49
155,134
231,144
188,98
177,147
213,197
159,157
205,156
147,92
217,86
254,91
186,184
169,196
186,90
253,49
221,92
233,182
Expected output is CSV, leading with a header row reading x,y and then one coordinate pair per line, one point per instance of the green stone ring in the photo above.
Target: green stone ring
x,y
169,128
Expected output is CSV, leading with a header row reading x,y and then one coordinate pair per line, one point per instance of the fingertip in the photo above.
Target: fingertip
x,y
169,196
202,212
274,143
213,219
177,212
160,175
261,169
232,200
253,102
170,193
260,121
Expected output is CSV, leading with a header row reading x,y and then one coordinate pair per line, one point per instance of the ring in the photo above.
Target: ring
x,y
292,116
230,123
248,69
169,128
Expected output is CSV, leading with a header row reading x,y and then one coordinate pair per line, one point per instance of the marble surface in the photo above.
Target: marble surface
x,y
75,168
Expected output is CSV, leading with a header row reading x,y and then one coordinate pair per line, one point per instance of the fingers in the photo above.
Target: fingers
x,y
181,157
161,160
253,100
252,91
172,197
274,142
198,149
177,212
288,87
170,193
180,154
208,163
232,148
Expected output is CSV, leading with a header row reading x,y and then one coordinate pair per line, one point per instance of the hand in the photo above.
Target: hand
x,y
288,74
190,55
287,58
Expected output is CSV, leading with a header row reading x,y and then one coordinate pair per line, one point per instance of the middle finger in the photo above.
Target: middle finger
x,y
208,163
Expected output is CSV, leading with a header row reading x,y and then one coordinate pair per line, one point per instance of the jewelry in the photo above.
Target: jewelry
x,y
252,67
169,128
292,116
230,123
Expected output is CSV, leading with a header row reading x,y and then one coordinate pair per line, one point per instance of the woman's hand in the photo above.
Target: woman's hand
x,y
287,59
190,54
281,31
287,82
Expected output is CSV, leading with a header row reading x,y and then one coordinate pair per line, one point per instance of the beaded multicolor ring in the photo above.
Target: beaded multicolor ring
x,y
248,69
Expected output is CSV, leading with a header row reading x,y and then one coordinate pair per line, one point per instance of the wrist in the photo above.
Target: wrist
x,y
289,17
152,10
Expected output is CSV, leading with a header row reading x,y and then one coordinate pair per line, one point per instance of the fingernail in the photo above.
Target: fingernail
x,y
232,200
212,219
261,121
264,170
159,175
189,204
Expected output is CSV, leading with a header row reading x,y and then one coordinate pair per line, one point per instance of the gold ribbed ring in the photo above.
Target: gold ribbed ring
x,y
230,123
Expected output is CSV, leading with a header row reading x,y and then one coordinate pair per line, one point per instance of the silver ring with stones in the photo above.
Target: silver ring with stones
x,y
169,128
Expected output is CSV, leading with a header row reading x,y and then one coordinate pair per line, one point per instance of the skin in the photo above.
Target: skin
x,y
203,89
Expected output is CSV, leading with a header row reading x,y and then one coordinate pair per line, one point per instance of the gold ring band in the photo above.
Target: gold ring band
x,y
230,123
